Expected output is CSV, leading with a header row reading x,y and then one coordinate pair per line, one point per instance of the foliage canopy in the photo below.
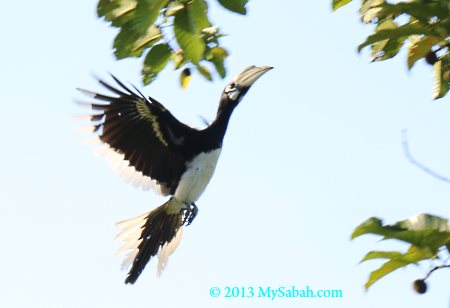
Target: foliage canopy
x,y
169,30
424,24
428,237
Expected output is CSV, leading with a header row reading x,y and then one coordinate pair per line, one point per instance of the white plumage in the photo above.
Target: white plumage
x,y
195,179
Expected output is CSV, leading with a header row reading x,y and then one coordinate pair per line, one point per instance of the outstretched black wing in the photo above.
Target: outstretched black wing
x,y
143,134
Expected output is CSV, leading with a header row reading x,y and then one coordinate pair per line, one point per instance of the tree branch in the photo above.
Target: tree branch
x,y
419,165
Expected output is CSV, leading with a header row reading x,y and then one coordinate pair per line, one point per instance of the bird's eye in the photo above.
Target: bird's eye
x,y
231,87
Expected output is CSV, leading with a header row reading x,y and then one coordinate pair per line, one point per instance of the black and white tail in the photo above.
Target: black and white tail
x,y
156,233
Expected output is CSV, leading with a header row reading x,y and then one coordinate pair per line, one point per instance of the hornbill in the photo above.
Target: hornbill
x,y
152,149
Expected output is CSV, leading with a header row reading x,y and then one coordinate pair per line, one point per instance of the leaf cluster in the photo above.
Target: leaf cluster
x,y
163,31
423,24
428,237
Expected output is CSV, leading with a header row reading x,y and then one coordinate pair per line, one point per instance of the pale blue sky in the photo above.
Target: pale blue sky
x,y
313,150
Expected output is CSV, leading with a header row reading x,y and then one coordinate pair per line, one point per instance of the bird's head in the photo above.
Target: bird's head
x,y
237,89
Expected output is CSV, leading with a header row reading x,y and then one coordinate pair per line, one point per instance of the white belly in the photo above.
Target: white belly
x,y
196,177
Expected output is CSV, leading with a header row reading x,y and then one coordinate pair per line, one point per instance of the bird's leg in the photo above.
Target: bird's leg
x,y
193,214
189,213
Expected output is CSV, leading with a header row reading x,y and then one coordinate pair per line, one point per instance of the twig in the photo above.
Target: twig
x,y
434,269
413,161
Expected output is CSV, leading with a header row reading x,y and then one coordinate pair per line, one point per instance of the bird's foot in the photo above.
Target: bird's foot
x,y
189,213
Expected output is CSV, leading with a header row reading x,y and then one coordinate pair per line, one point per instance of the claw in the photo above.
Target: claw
x,y
185,212
193,213
189,213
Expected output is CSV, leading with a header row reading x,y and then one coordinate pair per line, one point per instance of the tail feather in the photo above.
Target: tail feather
x,y
156,233
130,227
166,250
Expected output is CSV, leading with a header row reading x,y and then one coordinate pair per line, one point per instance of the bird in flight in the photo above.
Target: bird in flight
x,y
150,148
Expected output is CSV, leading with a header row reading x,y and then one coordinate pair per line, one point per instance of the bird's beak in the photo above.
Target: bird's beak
x,y
249,75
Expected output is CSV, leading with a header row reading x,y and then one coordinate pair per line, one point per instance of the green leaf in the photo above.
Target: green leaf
x,y
103,7
371,14
391,49
119,12
423,230
123,43
199,14
111,9
372,9
133,16
188,36
417,9
423,222
425,24
396,33
339,3
204,71
373,225
419,47
380,10
397,260
147,11
381,255
385,269
140,24
128,44
426,234
237,6
441,84
388,48
152,36
173,8
178,59
155,61
135,19
428,238
218,55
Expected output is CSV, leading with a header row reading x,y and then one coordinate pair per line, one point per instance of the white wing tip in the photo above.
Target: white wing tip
x,y
85,129
87,93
